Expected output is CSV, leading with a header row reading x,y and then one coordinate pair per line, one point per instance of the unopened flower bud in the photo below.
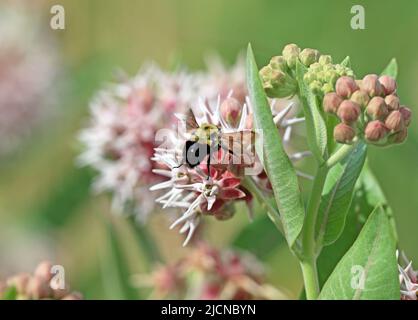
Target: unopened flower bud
x,y
315,87
388,83
395,121
291,54
278,62
392,101
309,56
343,133
327,87
325,59
278,84
231,111
20,282
375,131
372,85
400,136
348,111
406,114
360,97
331,102
38,288
43,271
377,108
345,86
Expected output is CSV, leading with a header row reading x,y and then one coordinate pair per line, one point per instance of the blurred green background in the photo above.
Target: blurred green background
x,y
46,210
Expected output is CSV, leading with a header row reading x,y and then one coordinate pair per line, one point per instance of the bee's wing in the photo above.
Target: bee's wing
x,y
191,122
240,144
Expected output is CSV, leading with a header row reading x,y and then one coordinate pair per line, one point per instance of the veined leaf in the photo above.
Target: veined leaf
x,y
368,271
391,69
337,195
315,124
279,168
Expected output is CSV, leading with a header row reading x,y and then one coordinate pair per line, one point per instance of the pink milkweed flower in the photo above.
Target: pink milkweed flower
x,y
408,278
200,192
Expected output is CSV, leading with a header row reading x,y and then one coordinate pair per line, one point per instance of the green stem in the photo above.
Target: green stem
x,y
341,153
272,212
310,278
309,256
146,243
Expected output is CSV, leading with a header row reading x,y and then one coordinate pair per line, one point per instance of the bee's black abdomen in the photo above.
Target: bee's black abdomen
x,y
194,153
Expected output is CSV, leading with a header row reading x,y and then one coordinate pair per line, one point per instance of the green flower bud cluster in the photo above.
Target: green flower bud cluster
x,y
368,108
279,75
322,75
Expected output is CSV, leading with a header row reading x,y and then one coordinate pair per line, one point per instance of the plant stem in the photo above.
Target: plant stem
x,y
272,212
146,243
341,153
308,262
310,278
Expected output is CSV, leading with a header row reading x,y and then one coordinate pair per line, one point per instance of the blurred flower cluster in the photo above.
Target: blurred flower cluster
x,y
368,108
209,273
37,286
27,69
138,130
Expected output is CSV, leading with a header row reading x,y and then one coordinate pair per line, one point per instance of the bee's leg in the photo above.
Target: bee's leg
x,y
209,151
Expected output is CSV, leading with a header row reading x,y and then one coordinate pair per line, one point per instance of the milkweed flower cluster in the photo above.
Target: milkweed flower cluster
x,y
200,192
368,108
210,274
37,286
279,76
408,278
27,70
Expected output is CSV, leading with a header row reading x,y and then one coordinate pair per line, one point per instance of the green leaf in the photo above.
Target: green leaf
x,y
367,196
260,237
337,195
279,168
315,124
368,271
391,69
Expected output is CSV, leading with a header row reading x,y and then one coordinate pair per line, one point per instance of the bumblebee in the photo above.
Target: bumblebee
x,y
207,139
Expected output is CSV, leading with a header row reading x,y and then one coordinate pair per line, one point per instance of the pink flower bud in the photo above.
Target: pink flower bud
x,y
231,111
43,271
388,83
331,102
377,108
392,101
372,85
360,97
345,86
375,131
343,133
395,121
348,111
400,136
406,114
